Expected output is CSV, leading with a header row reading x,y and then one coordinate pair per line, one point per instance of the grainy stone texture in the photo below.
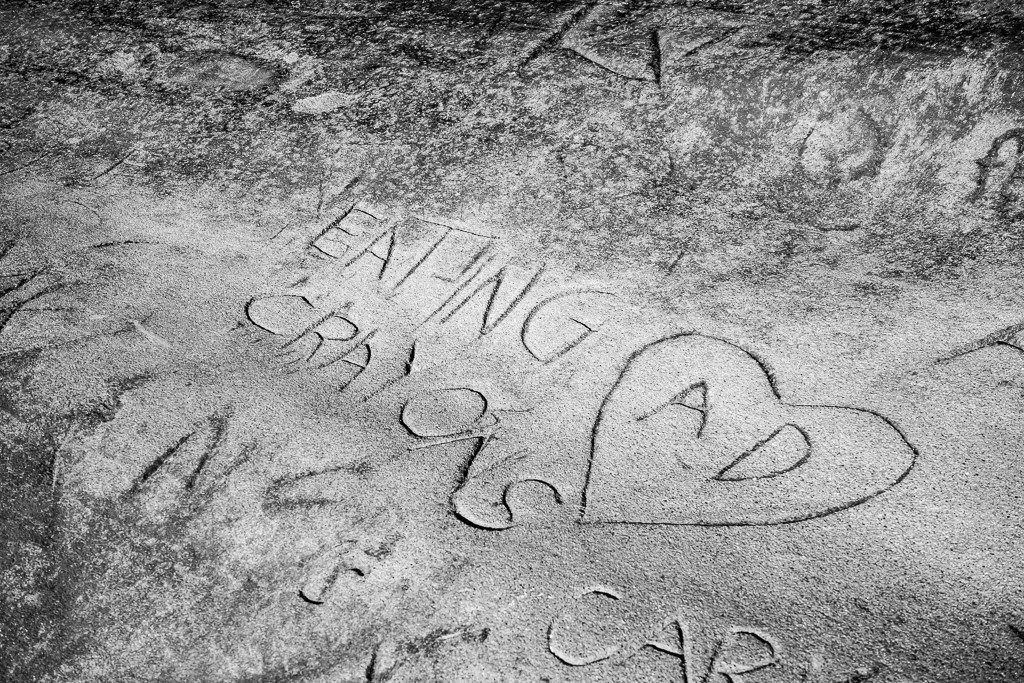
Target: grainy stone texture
x,y
626,340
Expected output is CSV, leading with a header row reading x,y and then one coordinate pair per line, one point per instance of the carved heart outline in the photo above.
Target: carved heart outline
x,y
636,500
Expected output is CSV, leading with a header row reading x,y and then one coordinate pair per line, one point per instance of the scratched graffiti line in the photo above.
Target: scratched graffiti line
x,y
740,651
687,459
990,164
1009,336
714,485
481,287
195,466
370,249
775,465
23,286
358,237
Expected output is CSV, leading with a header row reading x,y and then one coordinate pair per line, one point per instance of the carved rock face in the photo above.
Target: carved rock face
x,y
846,147
315,319
219,72
694,432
